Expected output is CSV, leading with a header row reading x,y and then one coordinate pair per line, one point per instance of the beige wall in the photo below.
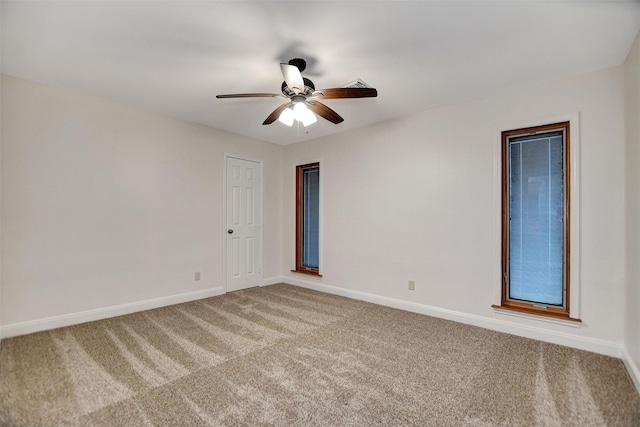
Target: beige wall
x,y
105,205
419,199
632,203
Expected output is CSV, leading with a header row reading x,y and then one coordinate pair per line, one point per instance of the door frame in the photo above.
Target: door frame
x,y
225,241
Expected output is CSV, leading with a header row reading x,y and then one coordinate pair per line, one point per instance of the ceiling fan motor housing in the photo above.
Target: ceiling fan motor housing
x,y
309,88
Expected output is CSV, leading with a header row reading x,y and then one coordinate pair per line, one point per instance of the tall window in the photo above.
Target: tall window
x,y
308,219
535,220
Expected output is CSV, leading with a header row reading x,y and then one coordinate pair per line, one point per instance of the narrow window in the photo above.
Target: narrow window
x,y
308,219
535,220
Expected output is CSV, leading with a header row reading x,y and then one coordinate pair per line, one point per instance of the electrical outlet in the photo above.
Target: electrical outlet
x,y
412,285
197,276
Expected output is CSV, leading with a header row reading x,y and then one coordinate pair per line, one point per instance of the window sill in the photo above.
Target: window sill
x,y
307,272
538,315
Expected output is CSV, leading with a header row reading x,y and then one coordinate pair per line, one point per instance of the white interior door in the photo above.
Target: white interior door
x,y
244,221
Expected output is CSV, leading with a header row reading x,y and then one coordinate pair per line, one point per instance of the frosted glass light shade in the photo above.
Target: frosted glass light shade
x,y
309,118
286,117
299,111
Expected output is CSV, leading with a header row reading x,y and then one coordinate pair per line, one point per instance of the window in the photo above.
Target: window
x,y
535,220
308,219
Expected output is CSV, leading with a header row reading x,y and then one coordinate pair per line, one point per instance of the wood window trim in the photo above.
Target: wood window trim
x,y
526,307
309,272
300,268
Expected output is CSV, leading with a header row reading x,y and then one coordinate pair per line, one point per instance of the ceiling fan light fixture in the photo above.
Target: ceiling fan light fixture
x,y
286,117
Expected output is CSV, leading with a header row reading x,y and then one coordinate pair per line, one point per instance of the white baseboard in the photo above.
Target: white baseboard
x,y
632,368
272,281
607,348
31,326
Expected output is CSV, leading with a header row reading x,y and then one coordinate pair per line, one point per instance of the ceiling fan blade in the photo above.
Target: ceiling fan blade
x,y
323,111
250,95
276,113
347,92
292,77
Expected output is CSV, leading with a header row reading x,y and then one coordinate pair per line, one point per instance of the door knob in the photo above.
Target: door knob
x,y
230,231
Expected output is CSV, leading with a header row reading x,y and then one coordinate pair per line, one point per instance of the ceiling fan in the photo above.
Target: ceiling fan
x,y
303,98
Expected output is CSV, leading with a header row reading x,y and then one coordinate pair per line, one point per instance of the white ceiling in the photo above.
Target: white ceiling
x,y
174,57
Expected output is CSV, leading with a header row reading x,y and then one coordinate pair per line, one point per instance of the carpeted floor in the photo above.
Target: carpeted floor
x,y
283,355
